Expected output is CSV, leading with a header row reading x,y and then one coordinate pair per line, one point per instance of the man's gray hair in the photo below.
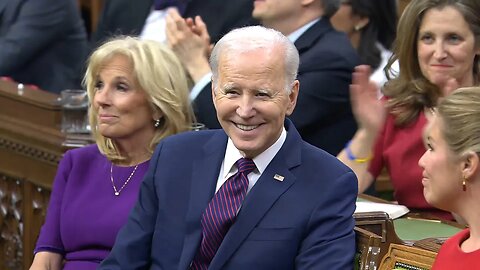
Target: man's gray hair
x,y
330,7
256,37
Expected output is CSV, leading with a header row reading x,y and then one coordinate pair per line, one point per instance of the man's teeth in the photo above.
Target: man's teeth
x,y
246,128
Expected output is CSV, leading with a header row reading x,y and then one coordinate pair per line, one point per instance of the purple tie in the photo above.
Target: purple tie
x,y
221,213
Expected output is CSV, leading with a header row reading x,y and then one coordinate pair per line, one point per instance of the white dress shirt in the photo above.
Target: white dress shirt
x,y
232,154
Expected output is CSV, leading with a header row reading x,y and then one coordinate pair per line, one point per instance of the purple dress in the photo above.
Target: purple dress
x,y
84,215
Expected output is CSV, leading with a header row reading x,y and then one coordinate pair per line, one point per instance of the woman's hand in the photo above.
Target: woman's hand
x,y
45,260
369,111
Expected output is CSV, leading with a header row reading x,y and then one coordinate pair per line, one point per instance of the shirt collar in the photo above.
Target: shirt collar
x,y
232,154
297,33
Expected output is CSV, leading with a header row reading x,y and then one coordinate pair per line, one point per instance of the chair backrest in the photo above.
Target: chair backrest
x,y
407,257
368,249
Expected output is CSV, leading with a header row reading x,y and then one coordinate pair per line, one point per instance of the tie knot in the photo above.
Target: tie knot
x,y
245,165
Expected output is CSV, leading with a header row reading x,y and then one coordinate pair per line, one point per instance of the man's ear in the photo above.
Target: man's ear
x,y
214,94
292,97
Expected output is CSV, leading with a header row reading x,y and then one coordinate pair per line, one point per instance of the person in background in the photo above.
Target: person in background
x,y
371,28
323,116
451,173
146,18
43,43
437,48
139,96
251,196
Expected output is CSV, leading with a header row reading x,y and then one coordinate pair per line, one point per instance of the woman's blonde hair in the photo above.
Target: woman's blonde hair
x,y
411,91
460,115
158,72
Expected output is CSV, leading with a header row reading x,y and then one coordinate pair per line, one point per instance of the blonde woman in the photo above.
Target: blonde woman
x,y
451,173
139,95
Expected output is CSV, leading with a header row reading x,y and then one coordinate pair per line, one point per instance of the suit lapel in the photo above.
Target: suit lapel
x,y
310,37
204,179
262,196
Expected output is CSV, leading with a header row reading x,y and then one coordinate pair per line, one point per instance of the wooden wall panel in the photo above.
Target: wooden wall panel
x,y
30,149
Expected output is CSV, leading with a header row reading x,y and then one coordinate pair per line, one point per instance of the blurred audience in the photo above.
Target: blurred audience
x,y
437,48
371,27
451,173
323,114
146,18
43,43
136,101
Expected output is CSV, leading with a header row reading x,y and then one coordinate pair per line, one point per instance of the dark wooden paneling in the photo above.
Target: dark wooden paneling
x,y
30,149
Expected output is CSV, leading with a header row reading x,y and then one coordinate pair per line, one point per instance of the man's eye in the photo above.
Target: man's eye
x,y
231,93
262,94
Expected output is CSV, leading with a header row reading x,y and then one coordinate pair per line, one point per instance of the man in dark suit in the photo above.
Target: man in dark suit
x,y
127,17
323,115
251,196
42,42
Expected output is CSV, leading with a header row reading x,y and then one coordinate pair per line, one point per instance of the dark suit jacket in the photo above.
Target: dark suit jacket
x,y
42,42
323,114
127,17
302,222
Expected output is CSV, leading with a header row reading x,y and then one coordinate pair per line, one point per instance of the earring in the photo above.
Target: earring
x,y
157,123
464,183
357,27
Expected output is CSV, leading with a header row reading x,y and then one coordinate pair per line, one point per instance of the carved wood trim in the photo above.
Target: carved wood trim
x,y
32,152
30,149
407,257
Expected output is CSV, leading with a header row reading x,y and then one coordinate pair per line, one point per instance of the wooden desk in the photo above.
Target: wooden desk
x,y
399,231
30,149
368,249
407,257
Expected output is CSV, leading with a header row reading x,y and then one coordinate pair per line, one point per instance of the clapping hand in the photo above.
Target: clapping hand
x,y
369,111
445,83
190,41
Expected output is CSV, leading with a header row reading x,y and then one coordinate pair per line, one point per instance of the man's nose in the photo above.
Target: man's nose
x,y
246,106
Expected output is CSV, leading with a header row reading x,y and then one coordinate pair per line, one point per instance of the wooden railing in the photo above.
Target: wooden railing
x,y
30,149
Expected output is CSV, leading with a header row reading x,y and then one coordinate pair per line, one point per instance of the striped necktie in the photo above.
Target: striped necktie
x,y
221,212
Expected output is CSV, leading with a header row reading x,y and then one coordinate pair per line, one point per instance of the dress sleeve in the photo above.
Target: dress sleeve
x,y
49,238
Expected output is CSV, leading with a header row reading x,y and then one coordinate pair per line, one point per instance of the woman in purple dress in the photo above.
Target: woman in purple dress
x,y
139,95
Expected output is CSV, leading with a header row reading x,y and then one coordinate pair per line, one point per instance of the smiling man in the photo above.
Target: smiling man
x,y
323,115
251,196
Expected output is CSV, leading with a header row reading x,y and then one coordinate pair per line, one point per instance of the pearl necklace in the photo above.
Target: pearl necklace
x,y
117,192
